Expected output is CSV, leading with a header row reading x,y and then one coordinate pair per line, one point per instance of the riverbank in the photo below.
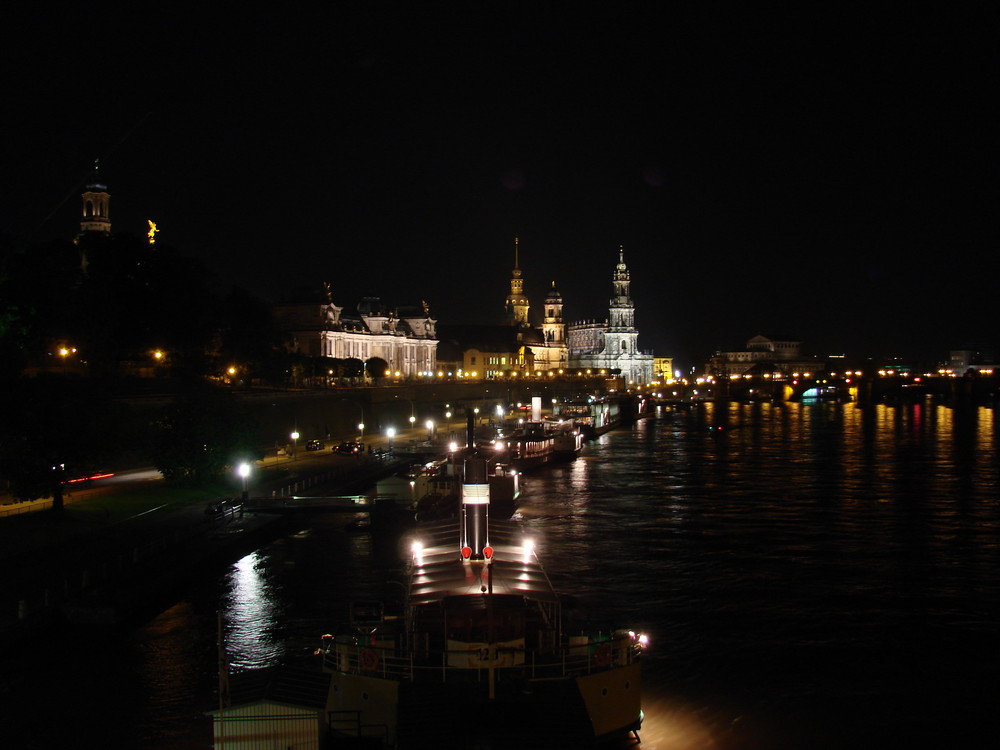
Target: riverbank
x,y
115,559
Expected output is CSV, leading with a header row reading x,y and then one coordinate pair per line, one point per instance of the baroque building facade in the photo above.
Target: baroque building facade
x,y
515,345
405,337
613,344
763,355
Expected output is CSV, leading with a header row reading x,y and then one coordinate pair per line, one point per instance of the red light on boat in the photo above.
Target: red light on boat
x,y
488,552
466,552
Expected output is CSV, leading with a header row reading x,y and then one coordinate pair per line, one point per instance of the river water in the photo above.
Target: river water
x,y
811,575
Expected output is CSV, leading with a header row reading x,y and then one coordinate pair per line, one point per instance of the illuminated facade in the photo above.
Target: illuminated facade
x,y
96,203
763,355
404,337
516,306
535,348
614,344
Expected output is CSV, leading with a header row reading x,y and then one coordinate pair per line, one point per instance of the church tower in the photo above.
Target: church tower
x,y
95,199
553,327
517,304
621,337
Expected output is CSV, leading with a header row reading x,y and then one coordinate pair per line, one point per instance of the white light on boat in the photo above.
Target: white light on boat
x,y
418,553
500,445
528,549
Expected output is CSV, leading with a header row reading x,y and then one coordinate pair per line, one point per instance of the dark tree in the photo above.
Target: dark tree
x,y
54,429
376,367
250,337
353,367
202,435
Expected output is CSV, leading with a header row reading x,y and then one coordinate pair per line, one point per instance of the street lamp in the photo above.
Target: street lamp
x,y
447,416
295,443
361,429
430,429
244,471
390,433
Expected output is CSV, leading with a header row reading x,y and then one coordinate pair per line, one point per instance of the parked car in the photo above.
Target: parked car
x,y
351,447
314,445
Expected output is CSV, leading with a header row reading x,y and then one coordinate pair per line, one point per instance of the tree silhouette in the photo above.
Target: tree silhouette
x,y
376,367
57,428
203,434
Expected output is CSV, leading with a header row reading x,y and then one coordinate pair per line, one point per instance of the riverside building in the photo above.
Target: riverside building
x,y
405,337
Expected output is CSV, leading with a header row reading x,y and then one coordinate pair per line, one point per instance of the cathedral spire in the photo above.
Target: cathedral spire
x,y
517,304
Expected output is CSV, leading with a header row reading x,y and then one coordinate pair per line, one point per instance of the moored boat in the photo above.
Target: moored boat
x,y
538,443
481,652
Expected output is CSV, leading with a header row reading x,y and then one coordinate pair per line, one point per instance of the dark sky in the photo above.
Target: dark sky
x,y
801,170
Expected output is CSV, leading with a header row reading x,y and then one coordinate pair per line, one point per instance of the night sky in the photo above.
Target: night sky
x,y
806,170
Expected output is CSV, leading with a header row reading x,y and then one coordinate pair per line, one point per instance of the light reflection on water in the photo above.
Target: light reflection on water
x,y
819,576
250,614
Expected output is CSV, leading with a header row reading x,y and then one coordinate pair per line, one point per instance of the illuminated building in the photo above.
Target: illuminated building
x,y
405,337
517,305
96,200
534,348
763,355
613,344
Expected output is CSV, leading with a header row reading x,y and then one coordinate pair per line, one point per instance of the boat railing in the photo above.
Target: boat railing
x,y
581,655
348,722
372,660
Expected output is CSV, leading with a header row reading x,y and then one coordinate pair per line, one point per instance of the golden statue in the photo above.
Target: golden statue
x,y
151,234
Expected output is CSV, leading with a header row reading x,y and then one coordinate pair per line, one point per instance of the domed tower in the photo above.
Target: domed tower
x,y
95,216
517,304
553,327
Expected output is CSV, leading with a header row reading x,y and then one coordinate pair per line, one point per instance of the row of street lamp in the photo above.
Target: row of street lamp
x,y
243,470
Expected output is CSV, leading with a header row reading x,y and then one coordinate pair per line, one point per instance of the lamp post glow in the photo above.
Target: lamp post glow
x,y
244,471
295,443
430,429
390,433
361,430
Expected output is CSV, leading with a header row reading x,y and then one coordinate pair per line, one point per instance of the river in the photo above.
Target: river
x,y
811,575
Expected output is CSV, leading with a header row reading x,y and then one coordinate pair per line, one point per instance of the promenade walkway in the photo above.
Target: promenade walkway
x,y
109,541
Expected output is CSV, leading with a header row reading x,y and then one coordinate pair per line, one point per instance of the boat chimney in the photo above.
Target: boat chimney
x,y
476,511
470,429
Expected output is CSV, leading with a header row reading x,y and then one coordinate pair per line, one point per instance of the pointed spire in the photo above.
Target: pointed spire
x,y
516,263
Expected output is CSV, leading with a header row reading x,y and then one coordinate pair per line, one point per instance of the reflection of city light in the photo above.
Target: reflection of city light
x,y
250,615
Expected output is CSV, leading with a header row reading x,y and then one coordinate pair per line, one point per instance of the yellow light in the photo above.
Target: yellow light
x,y
151,234
232,371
